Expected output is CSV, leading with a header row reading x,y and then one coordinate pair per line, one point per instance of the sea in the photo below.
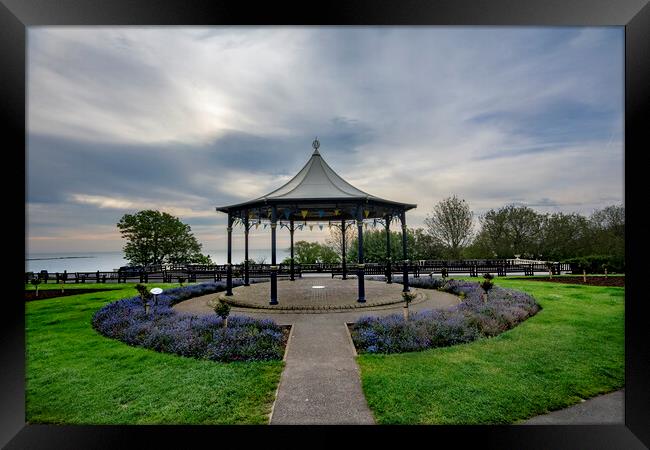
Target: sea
x,y
109,261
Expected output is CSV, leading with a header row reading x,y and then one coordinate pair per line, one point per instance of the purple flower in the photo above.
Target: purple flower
x,y
471,319
165,330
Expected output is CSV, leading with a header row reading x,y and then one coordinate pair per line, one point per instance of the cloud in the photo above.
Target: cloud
x,y
121,119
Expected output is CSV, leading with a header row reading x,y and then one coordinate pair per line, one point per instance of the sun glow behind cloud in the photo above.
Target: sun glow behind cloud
x,y
186,119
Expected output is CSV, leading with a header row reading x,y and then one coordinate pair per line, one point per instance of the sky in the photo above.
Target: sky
x,y
184,119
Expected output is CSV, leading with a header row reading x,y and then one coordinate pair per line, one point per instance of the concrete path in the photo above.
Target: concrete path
x,y
320,383
604,409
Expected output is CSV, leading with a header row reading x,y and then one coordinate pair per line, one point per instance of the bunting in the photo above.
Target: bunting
x,y
337,212
366,213
311,227
304,213
287,213
320,226
321,213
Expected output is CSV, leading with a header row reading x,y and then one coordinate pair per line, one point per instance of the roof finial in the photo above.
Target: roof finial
x,y
315,145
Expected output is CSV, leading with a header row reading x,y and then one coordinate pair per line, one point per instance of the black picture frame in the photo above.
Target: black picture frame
x,y
634,15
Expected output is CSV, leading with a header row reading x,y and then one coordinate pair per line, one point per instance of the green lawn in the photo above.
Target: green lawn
x,y
76,376
572,349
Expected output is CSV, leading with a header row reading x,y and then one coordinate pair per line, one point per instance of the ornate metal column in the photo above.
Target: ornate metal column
x,y
246,228
405,271
389,268
345,266
360,265
229,263
291,230
274,268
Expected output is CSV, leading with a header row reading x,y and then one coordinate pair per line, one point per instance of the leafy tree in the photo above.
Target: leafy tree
x,y
450,224
524,230
493,240
312,253
511,230
564,236
425,246
155,237
222,309
608,231
374,246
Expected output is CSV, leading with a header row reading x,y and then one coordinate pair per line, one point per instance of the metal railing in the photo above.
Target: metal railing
x,y
193,273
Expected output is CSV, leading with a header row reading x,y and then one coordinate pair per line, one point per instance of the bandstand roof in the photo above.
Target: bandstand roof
x,y
320,191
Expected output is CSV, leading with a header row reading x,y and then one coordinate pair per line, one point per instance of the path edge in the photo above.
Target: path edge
x,y
284,359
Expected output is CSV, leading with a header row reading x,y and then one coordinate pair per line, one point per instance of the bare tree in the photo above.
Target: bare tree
x,y
450,224
335,241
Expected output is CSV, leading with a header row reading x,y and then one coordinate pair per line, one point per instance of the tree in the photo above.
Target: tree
x,y
608,231
374,246
425,246
524,228
450,224
222,309
155,237
312,253
511,230
564,236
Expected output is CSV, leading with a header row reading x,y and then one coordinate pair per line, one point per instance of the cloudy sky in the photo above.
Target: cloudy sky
x,y
186,119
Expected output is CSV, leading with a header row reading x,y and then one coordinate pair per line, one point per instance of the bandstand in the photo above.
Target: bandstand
x,y
316,194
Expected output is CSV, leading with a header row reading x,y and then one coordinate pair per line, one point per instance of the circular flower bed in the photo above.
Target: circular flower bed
x,y
162,329
474,317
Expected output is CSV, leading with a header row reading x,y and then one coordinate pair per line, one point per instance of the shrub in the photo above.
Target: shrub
x,y
468,321
222,309
594,264
408,297
204,337
36,282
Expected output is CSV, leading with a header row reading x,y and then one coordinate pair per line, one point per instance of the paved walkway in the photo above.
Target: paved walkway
x,y
604,409
320,383
315,293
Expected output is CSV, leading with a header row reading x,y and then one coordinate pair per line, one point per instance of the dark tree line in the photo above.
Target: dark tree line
x,y
520,230
507,232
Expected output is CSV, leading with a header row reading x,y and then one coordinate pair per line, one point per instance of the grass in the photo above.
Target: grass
x,y
572,349
76,376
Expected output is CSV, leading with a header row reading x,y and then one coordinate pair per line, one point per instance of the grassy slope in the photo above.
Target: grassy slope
x,y
77,376
572,349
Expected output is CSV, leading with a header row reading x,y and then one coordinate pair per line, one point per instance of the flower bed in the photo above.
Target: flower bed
x,y
471,319
164,330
